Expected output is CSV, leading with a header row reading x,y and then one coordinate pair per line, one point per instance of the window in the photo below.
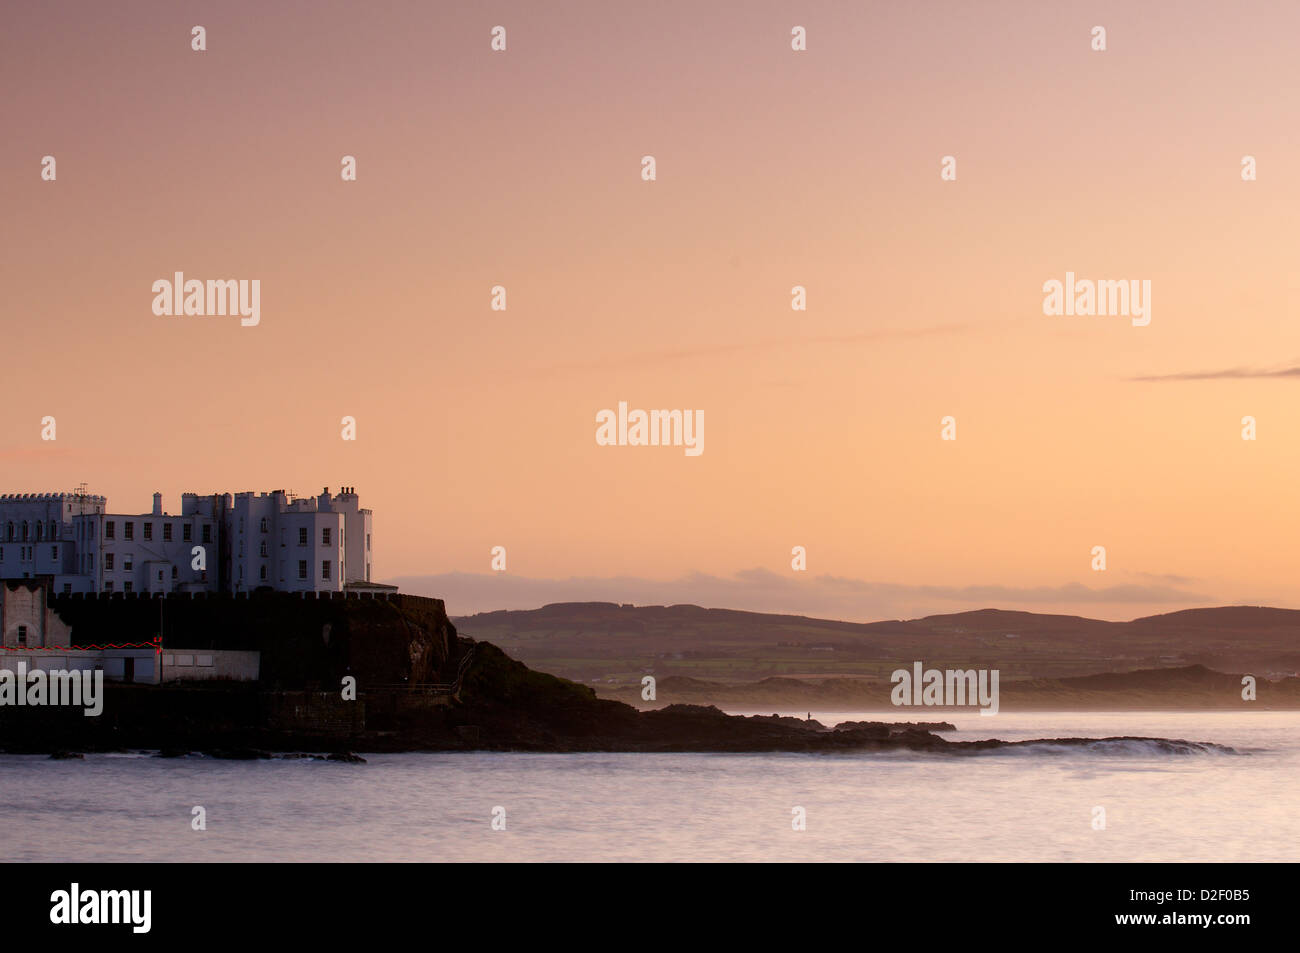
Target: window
x,y
67,588
54,552
148,530
128,530
367,542
160,576
9,532
2,554
110,529
263,571
40,531
24,531
207,532
302,569
127,560
325,569
108,586
302,535
54,530
264,524
127,587
167,532
174,573
264,552
325,536
22,635
187,533
108,562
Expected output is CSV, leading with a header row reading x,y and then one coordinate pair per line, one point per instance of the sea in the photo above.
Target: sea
x,y
1105,802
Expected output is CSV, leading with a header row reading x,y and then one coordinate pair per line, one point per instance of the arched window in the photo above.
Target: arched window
x,y
11,531
40,531
54,530
24,531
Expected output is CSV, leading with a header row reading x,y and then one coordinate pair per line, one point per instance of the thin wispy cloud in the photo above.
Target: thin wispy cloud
x,y
1232,373
1170,578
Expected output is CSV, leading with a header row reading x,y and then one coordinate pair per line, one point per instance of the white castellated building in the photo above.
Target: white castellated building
x,y
218,543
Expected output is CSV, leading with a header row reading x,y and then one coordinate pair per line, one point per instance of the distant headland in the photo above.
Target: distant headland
x,y
379,672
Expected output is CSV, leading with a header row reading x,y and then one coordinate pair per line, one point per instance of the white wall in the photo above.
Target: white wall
x,y
201,664
112,661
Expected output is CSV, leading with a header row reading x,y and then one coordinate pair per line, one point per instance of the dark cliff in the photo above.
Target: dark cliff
x,y
305,641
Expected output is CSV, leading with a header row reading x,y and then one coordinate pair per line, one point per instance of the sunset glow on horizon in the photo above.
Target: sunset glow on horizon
x,y
774,169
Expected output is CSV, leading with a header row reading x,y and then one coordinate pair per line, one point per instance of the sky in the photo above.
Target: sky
x,y
522,168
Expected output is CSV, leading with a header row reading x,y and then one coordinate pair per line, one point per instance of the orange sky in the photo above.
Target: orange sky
x,y
775,168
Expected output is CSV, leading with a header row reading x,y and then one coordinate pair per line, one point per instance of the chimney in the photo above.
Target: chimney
x,y
157,504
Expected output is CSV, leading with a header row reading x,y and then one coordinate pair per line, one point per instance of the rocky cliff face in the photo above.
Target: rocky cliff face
x,y
513,707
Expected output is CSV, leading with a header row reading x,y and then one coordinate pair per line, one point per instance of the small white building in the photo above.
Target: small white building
x,y
26,619
181,665
34,635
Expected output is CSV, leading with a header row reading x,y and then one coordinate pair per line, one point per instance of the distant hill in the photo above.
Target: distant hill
x,y
1241,617
606,644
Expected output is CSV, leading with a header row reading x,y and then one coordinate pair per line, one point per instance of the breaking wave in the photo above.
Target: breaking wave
x,y
1113,747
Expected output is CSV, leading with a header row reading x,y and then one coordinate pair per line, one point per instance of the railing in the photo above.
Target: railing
x,y
429,688
463,667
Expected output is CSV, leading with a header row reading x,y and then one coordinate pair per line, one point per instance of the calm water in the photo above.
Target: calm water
x,y
1032,804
